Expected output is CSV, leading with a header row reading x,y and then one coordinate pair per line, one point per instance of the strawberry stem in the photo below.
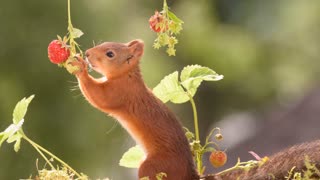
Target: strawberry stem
x,y
70,30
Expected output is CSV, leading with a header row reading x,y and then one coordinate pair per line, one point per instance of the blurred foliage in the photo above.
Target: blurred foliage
x,y
268,52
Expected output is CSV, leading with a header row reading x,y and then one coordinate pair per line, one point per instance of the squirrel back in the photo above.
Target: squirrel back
x,y
279,165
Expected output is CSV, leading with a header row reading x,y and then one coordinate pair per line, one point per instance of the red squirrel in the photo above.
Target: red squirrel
x,y
123,94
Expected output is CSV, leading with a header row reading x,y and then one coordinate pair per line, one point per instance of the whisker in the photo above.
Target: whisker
x,y
100,42
74,89
77,95
73,82
115,124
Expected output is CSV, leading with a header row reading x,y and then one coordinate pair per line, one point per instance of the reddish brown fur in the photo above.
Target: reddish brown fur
x,y
125,96
279,164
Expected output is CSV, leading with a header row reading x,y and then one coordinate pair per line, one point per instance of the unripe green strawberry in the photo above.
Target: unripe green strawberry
x,y
58,52
218,137
218,158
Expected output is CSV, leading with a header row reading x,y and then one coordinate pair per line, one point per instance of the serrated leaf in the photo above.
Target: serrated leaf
x,y
192,76
133,157
156,45
21,109
13,138
175,28
145,178
16,146
13,128
59,38
209,149
163,38
189,135
171,51
161,176
174,18
77,33
169,89
3,137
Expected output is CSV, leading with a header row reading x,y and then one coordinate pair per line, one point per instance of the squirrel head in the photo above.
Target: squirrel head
x,y
115,59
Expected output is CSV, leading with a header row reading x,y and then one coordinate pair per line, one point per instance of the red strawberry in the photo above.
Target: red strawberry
x,y
218,158
57,52
155,20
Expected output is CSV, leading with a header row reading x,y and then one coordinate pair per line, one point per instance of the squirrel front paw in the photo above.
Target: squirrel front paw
x,y
82,67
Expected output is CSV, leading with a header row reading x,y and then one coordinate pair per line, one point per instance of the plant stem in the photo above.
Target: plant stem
x,y
241,165
44,157
165,5
69,12
38,147
196,129
70,30
210,134
195,117
230,169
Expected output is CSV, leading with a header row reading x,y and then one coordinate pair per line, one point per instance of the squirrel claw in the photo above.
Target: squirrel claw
x,y
81,64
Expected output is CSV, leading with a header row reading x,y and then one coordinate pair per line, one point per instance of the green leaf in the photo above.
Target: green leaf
x,y
13,128
16,146
11,135
161,176
174,18
209,149
189,135
192,76
163,38
59,38
172,41
169,89
21,109
171,51
133,157
77,33
145,178
175,28
13,138
3,137
156,45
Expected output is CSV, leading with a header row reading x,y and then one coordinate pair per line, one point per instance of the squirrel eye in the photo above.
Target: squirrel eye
x,y
110,54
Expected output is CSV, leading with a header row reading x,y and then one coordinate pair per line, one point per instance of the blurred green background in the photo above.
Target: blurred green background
x,y
268,52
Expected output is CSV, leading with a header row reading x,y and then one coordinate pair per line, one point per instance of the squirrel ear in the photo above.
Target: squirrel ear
x,y
136,47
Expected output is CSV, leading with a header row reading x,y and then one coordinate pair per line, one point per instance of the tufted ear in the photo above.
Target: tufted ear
x,y
136,47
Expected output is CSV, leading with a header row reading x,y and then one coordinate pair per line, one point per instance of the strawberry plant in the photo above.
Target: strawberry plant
x,y
15,134
63,50
167,25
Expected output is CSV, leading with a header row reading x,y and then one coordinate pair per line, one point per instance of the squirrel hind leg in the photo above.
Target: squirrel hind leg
x,y
173,169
